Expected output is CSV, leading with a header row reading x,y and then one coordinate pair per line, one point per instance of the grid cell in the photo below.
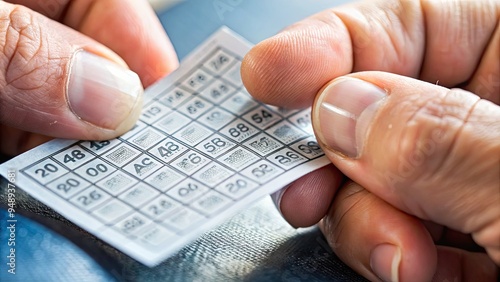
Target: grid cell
x,y
116,183
138,195
212,174
193,134
73,157
159,207
112,211
238,158
217,91
164,178
143,166
187,191
90,198
68,185
219,62
262,171
95,170
211,203
45,171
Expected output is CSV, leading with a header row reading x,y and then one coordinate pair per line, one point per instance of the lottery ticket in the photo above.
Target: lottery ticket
x,y
202,150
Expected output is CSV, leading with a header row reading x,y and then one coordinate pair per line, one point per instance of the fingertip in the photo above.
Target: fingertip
x,y
306,200
377,240
264,67
81,92
148,50
385,261
277,196
103,93
289,68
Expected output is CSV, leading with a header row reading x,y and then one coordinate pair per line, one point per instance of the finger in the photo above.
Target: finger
x,y
57,82
486,79
460,265
428,150
128,27
447,237
19,141
377,240
413,38
306,201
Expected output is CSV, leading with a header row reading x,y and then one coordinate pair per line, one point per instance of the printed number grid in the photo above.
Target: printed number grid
x,y
199,147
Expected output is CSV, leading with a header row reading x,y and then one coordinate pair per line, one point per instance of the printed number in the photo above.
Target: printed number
x,y
191,161
132,223
192,109
200,78
184,191
46,169
193,158
168,150
74,156
240,128
176,96
289,156
99,145
220,61
262,142
151,112
87,200
213,144
236,186
261,170
217,92
215,116
155,210
97,170
70,183
310,147
164,205
238,100
263,116
304,121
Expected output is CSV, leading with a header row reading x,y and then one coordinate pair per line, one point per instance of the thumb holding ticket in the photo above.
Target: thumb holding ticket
x,y
422,199
422,152
65,68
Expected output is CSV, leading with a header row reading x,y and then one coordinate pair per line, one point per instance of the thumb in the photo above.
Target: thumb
x,y
428,150
57,82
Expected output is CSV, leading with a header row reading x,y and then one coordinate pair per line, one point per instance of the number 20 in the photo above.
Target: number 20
x,y
48,167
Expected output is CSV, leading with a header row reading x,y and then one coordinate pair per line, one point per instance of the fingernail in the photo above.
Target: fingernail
x,y
103,93
384,262
344,113
277,196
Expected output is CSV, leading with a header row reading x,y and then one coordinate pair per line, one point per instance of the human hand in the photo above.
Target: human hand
x,y
424,200
64,68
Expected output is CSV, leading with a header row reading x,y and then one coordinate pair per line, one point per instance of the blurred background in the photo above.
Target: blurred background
x,y
189,22
161,5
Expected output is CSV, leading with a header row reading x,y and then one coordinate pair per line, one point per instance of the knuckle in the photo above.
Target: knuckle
x,y
487,237
348,207
25,63
22,43
430,134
